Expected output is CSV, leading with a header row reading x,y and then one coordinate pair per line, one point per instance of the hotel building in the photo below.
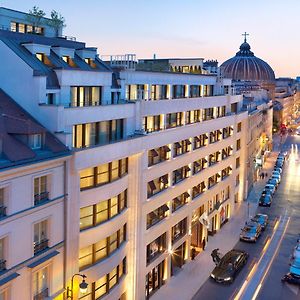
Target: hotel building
x,y
157,165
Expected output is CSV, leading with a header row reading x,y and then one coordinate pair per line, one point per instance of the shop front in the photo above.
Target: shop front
x,y
178,258
198,230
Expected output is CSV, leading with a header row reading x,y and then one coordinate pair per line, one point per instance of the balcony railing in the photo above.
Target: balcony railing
x,y
2,211
42,295
2,265
41,198
40,246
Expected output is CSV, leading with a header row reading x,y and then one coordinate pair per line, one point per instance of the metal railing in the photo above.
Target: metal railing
x,y
2,264
41,198
2,211
42,295
40,246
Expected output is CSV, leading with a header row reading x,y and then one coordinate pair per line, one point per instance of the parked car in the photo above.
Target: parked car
x,y
230,264
276,174
250,232
273,181
270,187
279,163
277,169
265,200
294,274
261,219
277,177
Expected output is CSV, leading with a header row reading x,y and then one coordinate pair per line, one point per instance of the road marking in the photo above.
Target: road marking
x,y
293,288
271,261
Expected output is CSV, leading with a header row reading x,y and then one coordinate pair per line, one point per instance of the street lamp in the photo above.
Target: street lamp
x,y
82,286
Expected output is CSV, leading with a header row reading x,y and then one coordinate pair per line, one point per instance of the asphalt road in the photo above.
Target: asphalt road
x,y
285,202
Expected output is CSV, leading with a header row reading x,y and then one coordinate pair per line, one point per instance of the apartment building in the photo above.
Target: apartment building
x,y
158,158
33,205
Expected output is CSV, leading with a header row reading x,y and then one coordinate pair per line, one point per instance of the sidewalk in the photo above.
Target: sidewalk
x,y
187,282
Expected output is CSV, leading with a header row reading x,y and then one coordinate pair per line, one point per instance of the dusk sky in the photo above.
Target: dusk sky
x,y
175,28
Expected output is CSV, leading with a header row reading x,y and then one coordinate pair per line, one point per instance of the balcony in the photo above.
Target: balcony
x,y
2,211
41,198
40,246
42,295
2,265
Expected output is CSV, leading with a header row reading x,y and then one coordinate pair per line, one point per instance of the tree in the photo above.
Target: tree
x,y
57,21
35,16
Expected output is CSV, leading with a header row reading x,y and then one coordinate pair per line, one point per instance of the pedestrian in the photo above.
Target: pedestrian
x,y
204,243
266,175
193,253
263,175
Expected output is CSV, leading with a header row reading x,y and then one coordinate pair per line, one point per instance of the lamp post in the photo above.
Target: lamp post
x,y
82,286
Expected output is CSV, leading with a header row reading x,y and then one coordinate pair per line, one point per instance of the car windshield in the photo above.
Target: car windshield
x,y
249,229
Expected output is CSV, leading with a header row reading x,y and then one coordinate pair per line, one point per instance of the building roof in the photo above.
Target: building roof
x,y
15,41
16,125
246,66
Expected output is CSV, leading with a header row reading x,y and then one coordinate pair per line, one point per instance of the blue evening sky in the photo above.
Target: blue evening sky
x,y
183,28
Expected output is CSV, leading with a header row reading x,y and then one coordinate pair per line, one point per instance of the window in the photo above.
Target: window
x,y
200,141
198,189
155,248
238,144
180,201
90,62
155,279
44,59
157,185
237,162
237,180
157,215
226,172
2,202
104,285
208,114
179,230
95,253
199,165
239,127
35,141
174,120
153,123
40,241
99,133
40,190
2,255
94,215
158,155
41,284
181,174
85,95
103,174
181,147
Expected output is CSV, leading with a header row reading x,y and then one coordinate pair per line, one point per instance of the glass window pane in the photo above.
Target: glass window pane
x,y
113,241
101,212
100,287
100,250
87,178
85,256
112,278
113,206
86,217
103,175
114,170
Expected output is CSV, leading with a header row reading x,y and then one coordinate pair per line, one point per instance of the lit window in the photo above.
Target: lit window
x,y
41,284
13,26
35,141
40,56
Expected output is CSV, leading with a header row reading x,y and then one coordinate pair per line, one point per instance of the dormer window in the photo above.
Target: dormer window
x,y
35,141
44,59
25,28
69,61
90,62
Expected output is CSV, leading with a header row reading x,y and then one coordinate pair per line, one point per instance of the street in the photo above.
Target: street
x,y
270,255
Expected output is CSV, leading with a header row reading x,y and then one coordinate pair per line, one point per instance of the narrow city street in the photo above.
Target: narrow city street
x,y
269,257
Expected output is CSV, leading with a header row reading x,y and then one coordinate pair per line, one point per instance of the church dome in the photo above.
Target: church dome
x,y
246,66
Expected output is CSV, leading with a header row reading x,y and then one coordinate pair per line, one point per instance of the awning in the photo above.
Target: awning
x,y
166,148
186,194
152,185
9,278
196,164
188,141
43,259
177,145
165,207
153,152
164,179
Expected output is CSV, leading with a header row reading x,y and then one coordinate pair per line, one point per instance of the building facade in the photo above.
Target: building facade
x,y
159,160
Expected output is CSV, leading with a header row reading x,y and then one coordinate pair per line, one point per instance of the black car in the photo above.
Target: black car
x,y
291,278
228,267
265,200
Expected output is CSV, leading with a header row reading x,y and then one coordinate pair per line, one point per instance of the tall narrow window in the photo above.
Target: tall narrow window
x,y
2,255
40,190
40,241
41,284
2,203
